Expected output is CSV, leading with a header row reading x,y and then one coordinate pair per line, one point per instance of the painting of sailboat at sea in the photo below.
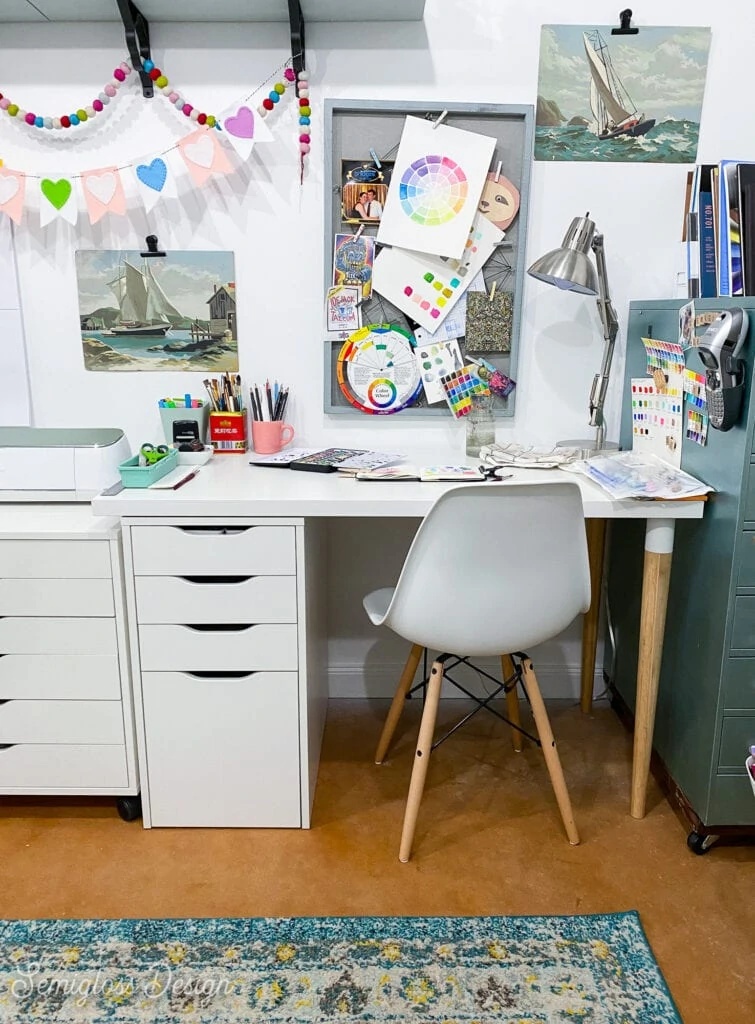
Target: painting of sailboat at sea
x,y
604,97
176,312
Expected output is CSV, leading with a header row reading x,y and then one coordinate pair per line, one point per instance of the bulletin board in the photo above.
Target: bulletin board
x,y
357,129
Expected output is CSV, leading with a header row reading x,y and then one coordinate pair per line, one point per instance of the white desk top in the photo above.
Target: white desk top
x,y
39,520
229,486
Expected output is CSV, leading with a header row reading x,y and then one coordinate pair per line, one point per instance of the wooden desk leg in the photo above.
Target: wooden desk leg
x,y
659,545
596,539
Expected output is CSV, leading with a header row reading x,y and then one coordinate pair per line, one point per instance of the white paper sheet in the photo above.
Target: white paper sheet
x,y
657,418
437,181
425,287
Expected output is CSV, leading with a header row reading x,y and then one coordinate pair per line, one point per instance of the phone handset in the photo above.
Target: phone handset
x,y
719,350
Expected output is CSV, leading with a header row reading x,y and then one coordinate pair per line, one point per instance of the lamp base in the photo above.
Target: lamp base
x,y
588,447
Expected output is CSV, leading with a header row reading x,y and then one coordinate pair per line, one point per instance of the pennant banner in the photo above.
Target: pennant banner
x,y
243,129
57,199
154,181
103,193
203,155
12,190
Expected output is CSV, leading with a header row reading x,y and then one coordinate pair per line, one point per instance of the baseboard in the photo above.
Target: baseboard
x,y
352,679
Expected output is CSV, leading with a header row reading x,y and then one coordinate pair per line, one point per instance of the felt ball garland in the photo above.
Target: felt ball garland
x,y
80,116
305,120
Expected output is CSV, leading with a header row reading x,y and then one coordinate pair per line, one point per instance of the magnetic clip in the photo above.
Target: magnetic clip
x,y
625,28
152,247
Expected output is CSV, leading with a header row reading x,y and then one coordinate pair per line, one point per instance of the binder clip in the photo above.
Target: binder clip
x,y
152,249
625,29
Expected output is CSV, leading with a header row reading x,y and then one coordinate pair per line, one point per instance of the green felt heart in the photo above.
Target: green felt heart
x,y
56,192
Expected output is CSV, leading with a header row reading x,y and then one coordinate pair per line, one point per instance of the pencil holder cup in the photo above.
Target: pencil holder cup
x,y
228,432
199,416
269,437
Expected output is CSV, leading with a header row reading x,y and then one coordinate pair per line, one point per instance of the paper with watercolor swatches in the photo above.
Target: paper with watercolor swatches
x,y
459,388
697,426
657,418
427,288
697,407
663,355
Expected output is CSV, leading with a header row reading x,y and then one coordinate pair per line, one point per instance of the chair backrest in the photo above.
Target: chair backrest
x,y
494,568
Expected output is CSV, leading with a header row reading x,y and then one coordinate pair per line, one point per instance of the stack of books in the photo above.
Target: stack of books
x,y
719,229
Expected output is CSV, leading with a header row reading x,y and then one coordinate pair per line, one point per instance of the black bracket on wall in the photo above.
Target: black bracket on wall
x,y
296,24
137,40
626,27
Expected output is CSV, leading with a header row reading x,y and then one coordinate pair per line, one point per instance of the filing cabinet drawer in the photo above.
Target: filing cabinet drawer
x,y
59,677
750,496
37,767
737,736
270,647
743,626
57,636
247,599
214,551
56,597
61,721
739,684
223,752
55,559
746,574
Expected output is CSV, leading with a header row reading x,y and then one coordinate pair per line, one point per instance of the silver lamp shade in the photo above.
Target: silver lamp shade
x,y
570,267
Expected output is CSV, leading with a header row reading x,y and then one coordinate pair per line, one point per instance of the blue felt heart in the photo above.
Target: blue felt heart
x,y
153,175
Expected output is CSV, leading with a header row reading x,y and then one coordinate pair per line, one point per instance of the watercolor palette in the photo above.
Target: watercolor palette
x,y
433,190
459,388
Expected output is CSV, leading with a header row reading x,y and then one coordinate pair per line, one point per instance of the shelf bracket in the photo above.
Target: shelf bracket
x,y
296,24
136,27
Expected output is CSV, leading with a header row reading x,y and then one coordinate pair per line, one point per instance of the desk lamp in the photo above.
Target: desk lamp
x,y
570,268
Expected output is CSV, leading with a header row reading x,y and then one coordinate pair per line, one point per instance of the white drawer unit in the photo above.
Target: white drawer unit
x,y
228,647
210,599
66,705
193,550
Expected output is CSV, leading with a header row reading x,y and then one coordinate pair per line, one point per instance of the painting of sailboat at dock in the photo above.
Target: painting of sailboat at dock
x,y
174,312
604,97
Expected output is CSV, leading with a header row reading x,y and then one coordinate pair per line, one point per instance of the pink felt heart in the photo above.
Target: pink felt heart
x,y
241,124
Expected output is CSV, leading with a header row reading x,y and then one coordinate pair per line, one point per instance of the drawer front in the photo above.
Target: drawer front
x,y
248,599
55,559
750,497
739,684
57,636
731,801
214,551
743,626
61,721
52,766
746,574
59,677
56,597
222,751
737,736
189,649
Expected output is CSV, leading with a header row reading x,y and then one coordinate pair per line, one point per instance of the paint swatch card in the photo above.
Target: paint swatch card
x,y
657,418
437,181
425,287
664,355
459,388
435,361
696,406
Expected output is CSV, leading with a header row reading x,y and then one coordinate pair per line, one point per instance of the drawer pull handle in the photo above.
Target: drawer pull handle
x,y
214,531
221,675
7,746
216,579
223,627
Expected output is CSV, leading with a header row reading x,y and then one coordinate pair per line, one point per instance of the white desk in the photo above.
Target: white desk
x,y
229,487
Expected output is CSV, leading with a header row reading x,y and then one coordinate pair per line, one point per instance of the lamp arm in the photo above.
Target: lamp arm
x,y
610,324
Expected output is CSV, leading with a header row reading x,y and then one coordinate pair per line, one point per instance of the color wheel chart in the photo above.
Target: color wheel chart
x,y
433,190
377,371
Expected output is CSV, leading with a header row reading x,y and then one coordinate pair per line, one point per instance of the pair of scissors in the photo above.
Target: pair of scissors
x,y
153,453
494,473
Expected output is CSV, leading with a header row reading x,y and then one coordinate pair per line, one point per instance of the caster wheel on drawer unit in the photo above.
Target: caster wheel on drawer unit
x,y
700,844
129,807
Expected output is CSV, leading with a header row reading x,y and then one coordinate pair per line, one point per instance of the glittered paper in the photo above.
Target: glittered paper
x,y
489,322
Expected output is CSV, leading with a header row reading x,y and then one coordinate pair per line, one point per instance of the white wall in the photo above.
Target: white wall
x,y
476,50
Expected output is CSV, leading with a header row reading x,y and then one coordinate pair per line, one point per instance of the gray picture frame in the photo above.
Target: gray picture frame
x,y
355,127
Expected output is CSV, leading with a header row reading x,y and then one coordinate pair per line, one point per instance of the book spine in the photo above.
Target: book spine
x,y
708,283
724,251
693,257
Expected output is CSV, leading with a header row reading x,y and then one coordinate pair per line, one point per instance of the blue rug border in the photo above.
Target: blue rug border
x,y
69,930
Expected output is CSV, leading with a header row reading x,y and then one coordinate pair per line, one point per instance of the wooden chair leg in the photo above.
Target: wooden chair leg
x,y
421,761
512,701
399,698
552,759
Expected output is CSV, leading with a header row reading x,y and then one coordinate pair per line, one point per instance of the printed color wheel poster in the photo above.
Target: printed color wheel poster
x,y
437,181
620,98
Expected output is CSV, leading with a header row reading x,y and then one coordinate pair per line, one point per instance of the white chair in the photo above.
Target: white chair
x,y
493,570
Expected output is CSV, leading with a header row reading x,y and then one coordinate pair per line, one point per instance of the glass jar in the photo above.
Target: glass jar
x,y
480,424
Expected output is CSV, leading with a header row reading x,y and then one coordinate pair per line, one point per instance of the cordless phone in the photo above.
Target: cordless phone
x,y
719,350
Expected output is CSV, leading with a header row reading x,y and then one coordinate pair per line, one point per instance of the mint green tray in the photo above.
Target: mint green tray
x,y
134,475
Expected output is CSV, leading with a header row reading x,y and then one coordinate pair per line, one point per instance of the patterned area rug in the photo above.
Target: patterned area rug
x,y
516,970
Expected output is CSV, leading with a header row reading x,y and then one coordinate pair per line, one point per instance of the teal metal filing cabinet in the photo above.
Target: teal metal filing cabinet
x,y
705,722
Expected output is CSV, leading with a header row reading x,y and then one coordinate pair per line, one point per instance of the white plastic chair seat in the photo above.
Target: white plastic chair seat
x,y
377,604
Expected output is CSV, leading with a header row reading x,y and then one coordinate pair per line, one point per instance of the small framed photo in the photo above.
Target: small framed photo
x,y
364,188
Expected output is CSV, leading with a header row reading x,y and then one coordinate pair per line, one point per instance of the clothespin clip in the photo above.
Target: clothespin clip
x,y
492,292
498,170
440,119
358,231
375,159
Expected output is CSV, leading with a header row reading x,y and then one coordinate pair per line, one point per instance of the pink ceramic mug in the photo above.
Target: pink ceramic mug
x,y
269,437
